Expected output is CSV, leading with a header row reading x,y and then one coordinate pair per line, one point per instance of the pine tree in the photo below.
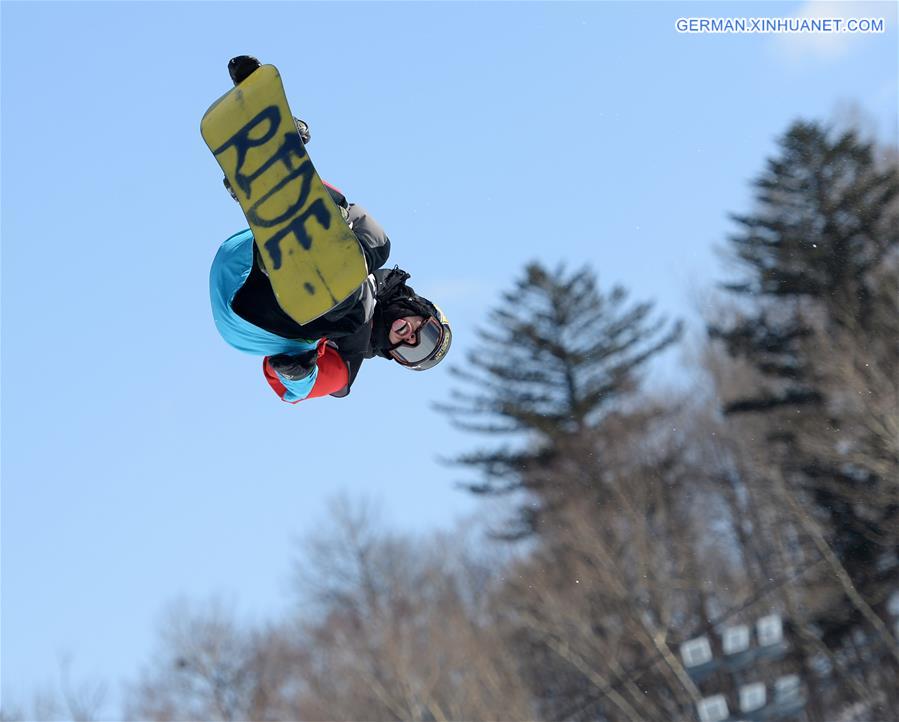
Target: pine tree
x,y
557,357
824,225
819,322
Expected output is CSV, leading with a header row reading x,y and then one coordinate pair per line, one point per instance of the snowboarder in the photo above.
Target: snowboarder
x,y
384,317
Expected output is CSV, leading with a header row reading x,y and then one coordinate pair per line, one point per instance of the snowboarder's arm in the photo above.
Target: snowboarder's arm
x,y
372,238
328,376
374,241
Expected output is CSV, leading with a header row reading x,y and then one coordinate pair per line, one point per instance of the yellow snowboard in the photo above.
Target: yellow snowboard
x,y
312,258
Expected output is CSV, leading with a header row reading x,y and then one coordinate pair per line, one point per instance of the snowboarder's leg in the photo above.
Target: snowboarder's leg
x,y
311,256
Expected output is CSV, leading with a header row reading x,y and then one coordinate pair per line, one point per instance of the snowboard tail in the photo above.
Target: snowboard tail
x,y
312,257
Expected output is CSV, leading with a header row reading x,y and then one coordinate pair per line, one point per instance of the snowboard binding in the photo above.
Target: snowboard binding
x,y
240,68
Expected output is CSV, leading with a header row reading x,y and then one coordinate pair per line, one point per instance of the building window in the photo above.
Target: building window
x,y
735,639
770,630
713,709
752,697
787,688
696,652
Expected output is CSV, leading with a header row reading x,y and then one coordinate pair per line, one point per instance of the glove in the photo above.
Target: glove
x,y
239,68
294,367
303,130
230,189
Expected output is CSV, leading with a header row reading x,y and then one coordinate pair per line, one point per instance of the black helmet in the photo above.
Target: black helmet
x,y
434,336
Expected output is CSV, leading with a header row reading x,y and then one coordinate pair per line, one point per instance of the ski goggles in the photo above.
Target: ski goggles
x,y
428,338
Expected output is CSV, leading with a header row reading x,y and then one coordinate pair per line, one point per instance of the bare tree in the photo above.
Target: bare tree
x,y
388,627
209,667
403,629
67,699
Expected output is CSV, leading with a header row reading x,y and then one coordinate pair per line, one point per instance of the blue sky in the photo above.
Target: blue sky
x,y
143,460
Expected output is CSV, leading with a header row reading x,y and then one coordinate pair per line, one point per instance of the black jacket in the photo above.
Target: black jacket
x,y
348,325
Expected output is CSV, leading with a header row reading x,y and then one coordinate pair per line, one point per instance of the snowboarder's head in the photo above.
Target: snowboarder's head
x,y
409,328
420,342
